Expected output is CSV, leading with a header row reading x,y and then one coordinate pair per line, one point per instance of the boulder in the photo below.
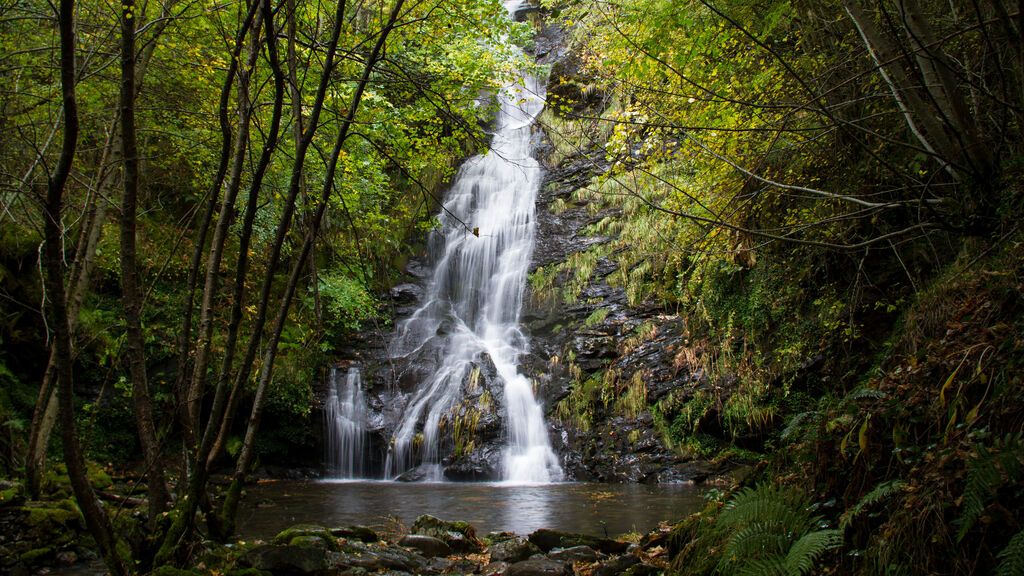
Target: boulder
x,y
494,569
615,566
427,545
547,540
539,567
575,554
355,532
306,535
459,536
513,550
286,559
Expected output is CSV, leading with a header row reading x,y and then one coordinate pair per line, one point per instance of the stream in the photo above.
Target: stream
x,y
589,508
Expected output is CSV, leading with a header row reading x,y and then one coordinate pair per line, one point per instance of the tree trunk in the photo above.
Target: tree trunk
x,y
197,387
231,499
919,118
92,510
183,383
130,291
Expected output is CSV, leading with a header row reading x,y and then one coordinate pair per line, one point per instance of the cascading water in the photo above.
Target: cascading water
x,y
345,419
475,296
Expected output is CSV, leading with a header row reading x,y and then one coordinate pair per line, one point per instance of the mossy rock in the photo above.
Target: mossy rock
x,y
47,518
37,555
301,534
459,536
12,496
99,479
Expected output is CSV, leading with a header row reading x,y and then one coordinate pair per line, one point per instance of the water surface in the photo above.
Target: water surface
x,y
596,509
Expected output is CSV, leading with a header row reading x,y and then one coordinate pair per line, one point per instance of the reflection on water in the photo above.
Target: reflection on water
x,y
597,509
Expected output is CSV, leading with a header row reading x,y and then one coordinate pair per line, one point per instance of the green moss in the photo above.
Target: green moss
x,y
11,495
307,535
37,555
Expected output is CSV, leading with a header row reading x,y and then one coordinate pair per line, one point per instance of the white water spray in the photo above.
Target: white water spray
x,y
481,256
345,419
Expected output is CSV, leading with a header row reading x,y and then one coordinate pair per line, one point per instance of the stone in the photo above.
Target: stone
x,y
427,545
356,532
575,554
494,569
616,565
513,550
459,536
304,535
539,567
547,540
286,559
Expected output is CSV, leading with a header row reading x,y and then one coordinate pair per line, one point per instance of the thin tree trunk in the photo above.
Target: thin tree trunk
x,y
44,417
916,114
231,499
295,184
940,83
130,291
92,510
217,422
197,386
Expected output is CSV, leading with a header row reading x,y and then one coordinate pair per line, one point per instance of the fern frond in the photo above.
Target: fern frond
x,y
983,480
877,494
801,556
797,422
763,567
1011,558
786,508
865,394
756,540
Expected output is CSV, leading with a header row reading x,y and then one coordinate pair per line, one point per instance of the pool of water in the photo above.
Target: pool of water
x,y
597,509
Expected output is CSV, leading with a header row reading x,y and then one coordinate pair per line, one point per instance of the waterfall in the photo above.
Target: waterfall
x,y
345,419
480,254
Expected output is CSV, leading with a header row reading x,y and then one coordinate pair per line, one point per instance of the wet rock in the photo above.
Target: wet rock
x,y
459,536
480,465
575,554
427,545
539,567
286,559
495,569
547,540
356,532
616,565
513,550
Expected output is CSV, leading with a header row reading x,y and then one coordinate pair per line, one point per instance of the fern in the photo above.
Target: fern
x,y
879,493
796,423
773,566
772,532
989,471
1011,559
785,508
801,556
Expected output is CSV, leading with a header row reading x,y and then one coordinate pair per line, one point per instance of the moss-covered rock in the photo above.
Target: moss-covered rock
x,y
459,536
37,555
305,535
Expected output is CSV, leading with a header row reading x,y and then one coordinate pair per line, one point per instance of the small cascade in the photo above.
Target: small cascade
x,y
474,301
345,419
